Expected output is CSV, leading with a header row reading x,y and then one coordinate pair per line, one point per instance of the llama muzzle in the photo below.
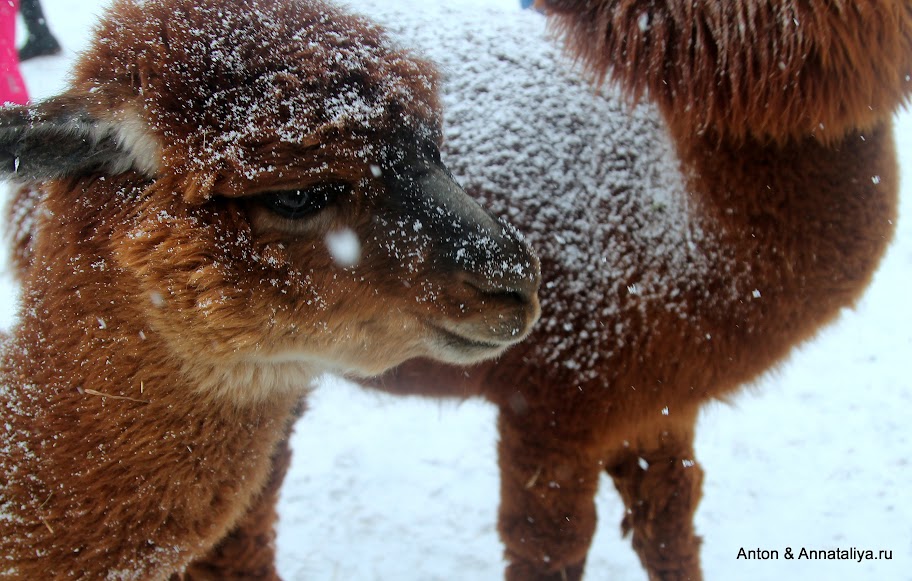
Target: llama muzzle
x,y
490,298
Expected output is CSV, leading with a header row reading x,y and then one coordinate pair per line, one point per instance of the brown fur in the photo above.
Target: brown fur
x,y
792,168
767,68
171,322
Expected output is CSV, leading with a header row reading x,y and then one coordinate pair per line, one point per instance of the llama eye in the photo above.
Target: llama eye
x,y
301,203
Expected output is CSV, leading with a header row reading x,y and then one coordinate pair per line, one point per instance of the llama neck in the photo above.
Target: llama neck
x,y
801,240
786,205
109,430
108,406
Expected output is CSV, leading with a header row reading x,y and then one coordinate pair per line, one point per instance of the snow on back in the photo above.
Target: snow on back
x,y
592,183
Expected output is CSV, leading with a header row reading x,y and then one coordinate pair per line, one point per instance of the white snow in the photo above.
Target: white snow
x,y
817,455
344,246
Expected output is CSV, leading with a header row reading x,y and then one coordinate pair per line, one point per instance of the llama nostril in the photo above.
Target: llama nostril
x,y
487,271
507,296
521,291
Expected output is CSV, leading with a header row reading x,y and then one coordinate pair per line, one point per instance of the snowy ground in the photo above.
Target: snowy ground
x,y
816,456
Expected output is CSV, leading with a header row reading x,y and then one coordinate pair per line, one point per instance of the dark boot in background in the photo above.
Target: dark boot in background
x,y
40,41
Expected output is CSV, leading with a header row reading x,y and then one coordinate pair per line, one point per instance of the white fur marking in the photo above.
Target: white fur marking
x,y
136,139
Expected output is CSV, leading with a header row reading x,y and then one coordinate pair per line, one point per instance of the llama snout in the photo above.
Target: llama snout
x,y
487,277
500,275
496,278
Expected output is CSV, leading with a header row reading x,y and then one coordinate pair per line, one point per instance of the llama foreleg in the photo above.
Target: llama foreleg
x,y
661,483
547,512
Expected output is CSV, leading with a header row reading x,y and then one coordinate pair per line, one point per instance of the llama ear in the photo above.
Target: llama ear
x,y
58,138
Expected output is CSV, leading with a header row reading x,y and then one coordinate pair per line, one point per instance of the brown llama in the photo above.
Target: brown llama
x,y
184,280
683,254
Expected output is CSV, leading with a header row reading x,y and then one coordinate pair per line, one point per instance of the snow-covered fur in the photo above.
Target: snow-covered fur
x,y
687,244
232,197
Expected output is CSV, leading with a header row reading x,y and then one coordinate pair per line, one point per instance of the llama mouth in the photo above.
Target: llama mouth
x,y
451,341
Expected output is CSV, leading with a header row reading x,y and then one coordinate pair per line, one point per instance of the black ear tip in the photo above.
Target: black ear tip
x,y
12,115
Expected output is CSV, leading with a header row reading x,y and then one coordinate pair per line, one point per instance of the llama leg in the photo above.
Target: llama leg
x,y
248,551
660,483
547,511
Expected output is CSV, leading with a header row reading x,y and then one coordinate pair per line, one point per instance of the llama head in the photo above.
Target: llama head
x,y
264,176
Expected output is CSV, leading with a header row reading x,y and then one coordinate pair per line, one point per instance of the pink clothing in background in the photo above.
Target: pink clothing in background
x,y
12,87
